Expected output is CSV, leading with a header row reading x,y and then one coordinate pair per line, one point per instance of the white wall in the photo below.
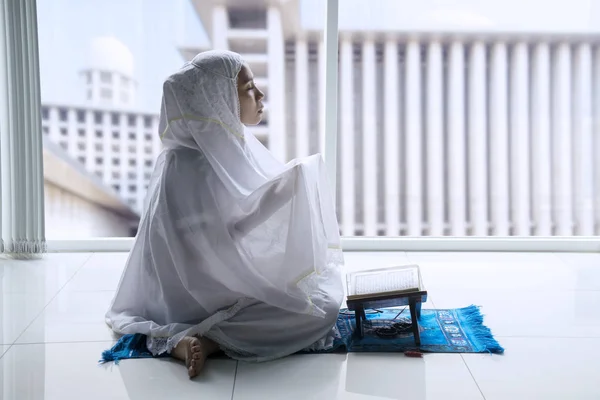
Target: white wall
x,y
69,216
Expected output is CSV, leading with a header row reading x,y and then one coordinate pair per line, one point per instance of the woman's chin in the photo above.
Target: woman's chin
x,y
254,123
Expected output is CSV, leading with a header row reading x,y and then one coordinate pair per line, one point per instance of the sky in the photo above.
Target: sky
x,y
153,30
468,15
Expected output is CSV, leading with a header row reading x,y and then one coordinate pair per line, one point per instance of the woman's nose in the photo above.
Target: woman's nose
x,y
260,94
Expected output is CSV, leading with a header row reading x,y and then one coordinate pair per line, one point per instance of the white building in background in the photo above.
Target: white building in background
x,y
450,123
107,135
78,204
108,77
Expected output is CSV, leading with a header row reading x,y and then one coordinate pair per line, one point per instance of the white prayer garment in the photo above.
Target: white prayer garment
x,y
233,244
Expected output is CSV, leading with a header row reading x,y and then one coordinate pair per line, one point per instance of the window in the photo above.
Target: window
x,y
106,94
63,144
116,109
243,18
105,77
63,131
63,114
453,136
457,130
132,188
117,188
81,159
46,130
99,160
100,174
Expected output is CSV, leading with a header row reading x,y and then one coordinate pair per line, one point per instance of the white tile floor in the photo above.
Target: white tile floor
x,y
52,333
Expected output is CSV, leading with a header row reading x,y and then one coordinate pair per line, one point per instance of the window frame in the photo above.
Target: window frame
x,y
399,243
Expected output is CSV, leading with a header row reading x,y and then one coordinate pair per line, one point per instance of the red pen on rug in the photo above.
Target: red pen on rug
x,y
416,354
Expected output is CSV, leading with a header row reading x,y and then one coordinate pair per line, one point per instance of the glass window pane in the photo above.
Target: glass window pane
x,y
113,94
465,118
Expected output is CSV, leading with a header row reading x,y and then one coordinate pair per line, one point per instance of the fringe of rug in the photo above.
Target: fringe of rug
x,y
478,331
128,346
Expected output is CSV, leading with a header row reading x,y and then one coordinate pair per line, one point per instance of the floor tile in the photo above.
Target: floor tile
x,y
541,307
102,272
459,271
167,379
516,312
585,267
46,275
357,376
18,311
70,371
539,368
72,317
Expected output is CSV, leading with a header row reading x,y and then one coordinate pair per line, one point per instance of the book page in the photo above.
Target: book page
x,y
381,282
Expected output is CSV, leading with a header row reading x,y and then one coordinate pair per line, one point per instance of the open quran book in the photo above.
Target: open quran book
x,y
384,282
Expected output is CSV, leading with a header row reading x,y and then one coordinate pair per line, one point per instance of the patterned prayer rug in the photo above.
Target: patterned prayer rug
x,y
458,330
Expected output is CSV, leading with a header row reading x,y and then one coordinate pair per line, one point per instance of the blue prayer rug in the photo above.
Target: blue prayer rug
x,y
459,330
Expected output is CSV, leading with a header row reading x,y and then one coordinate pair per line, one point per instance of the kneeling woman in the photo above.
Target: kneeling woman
x,y
235,251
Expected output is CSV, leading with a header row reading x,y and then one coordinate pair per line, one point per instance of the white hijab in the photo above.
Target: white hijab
x,y
224,219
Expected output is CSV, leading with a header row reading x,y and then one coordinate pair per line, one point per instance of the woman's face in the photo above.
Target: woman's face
x,y
251,107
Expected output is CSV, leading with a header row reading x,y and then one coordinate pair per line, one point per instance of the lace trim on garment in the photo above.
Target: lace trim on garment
x,y
161,345
325,343
309,285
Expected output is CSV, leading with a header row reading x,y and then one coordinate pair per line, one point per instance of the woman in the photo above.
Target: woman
x,y
235,250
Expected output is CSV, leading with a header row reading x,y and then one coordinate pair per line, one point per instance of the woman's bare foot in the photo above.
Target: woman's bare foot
x,y
194,351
